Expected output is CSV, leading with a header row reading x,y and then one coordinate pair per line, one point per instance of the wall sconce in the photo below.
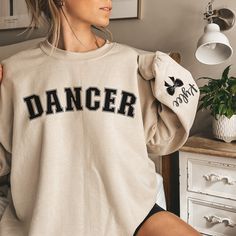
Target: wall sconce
x,y
213,47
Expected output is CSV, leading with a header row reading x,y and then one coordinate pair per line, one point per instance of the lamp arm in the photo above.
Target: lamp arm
x,y
209,11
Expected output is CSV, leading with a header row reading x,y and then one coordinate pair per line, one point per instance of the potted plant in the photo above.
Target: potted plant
x,y
219,96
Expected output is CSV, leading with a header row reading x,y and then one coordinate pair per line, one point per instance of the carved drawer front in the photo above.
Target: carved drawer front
x,y
211,218
208,177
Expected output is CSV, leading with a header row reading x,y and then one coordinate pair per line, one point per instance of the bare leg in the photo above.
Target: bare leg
x,y
166,224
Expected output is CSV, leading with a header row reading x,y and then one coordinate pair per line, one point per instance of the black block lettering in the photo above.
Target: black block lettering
x,y
53,100
76,99
89,98
33,113
109,100
125,103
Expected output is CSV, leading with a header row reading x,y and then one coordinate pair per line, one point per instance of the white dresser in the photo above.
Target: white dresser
x,y
208,185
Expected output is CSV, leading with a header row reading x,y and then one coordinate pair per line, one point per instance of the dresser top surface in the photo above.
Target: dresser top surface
x,y
206,144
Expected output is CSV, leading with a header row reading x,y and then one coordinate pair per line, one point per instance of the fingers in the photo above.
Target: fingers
x,y
1,73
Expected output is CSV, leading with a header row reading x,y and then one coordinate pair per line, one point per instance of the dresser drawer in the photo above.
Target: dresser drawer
x,y
211,218
212,178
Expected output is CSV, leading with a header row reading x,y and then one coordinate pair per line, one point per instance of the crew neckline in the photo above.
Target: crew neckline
x,y
47,48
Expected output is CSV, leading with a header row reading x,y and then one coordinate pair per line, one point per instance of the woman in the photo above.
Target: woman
x,y
78,116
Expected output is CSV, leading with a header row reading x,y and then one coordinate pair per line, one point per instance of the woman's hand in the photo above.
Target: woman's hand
x,y
1,73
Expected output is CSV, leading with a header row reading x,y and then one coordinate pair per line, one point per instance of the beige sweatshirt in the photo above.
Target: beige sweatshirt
x,y
75,133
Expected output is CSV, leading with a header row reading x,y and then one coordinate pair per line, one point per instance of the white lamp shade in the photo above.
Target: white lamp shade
x,y
213,47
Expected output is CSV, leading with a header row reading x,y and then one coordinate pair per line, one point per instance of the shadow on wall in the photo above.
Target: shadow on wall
x,y
12,36
6,51
205,119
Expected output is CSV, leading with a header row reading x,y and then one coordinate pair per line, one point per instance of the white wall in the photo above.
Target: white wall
x,y
166,25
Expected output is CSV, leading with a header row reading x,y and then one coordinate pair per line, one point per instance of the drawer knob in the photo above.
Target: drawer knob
x,y
218,220
216,178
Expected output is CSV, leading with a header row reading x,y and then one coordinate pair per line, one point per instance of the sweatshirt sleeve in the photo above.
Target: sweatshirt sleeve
x,y
6,118
169,102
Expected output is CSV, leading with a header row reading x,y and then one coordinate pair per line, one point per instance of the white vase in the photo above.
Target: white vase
x,y
224,128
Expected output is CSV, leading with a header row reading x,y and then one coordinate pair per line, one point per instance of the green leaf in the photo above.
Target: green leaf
x,y
208,103
234,104
226,72
229,113
219,95
215,84
205,89
232,87
221,108
231,81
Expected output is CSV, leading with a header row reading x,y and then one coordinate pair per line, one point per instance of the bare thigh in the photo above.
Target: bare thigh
x,y
165,223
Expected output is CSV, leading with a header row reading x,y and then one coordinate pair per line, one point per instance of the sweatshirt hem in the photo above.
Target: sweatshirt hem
x,y
143,216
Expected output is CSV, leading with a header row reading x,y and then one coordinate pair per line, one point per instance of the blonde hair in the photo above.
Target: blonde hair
x,y
48,11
